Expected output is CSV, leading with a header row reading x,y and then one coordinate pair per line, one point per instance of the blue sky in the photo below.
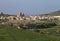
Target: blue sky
x,y
29,7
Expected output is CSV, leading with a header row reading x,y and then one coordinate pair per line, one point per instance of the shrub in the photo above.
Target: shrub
x,y
37,30
37,25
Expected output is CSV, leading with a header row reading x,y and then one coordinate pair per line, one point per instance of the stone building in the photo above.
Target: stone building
x,y
21,16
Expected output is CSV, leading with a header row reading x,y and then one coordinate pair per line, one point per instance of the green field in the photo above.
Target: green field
x,y
8,33
55,13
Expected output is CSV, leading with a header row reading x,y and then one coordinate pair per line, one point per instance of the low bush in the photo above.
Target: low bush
x,y
37,25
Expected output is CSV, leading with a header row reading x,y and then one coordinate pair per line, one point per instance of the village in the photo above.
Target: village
x,y
21,16
21,24
21,20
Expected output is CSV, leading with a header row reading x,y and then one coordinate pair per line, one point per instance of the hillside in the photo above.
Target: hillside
x,y
9,33
3,14
56,13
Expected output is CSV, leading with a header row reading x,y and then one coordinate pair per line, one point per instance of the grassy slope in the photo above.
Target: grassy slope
x,y
11,34
55,13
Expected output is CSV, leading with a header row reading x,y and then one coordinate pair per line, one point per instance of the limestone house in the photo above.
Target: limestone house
x,y
49,17
2,17
58,17
45,17
39,17
17,18
27,18
20,16
33,17
10,17
42,17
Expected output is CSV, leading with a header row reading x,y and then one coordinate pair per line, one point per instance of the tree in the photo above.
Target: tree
x,y
1,12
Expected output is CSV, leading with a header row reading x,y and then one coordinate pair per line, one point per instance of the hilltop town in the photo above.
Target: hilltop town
x,y
20,20
21,16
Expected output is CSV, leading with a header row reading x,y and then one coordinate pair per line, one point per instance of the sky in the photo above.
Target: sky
x,y
29,7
